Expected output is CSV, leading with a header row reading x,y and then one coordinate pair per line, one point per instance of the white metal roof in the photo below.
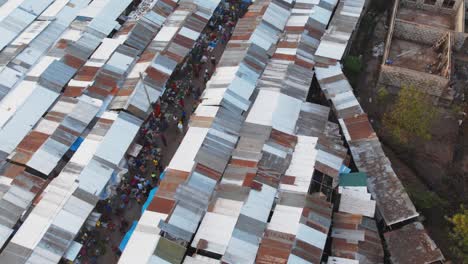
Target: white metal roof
x,y
8,7
10,104
144,239
286,114
183,159
262,110
54,9
216,229
302,164
285,219
121,131
337,260
93,9
258,203
357,202
25,118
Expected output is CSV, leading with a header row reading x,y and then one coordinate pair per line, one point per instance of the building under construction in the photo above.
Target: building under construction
x,y
421,38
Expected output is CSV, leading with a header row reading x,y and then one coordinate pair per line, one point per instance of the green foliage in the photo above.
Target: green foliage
x,y
459,234
426,199
353,65
456,109
382,94
411,116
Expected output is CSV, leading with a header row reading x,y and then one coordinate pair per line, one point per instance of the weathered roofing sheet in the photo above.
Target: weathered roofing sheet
x,y
356,237
44,147
20,18
136,94
299,174
383,183
400,241
18,189
298,230
8,6
392,200
196,185
278,81
51,81
25,118
211,162
143,242
335,41
93,171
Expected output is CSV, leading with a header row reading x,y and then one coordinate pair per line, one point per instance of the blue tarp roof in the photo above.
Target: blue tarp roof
x,y
77,143
127,236
129,233
151,194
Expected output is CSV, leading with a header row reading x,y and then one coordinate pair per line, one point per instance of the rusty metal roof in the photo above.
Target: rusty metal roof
x,y
356,237
412,244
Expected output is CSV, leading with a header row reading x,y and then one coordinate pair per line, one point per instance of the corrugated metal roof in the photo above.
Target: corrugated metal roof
x,y
20,18
214,233
298,230
25,118
18,190
412,236
61,129
91,168
356,237
105,22
56,194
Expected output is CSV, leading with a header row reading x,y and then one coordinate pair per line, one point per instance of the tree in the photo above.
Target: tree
x,y
352,65
411,116
459,234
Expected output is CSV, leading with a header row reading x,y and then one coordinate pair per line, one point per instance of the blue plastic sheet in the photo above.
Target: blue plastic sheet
x,y
77,144
127,236
344,169
152,194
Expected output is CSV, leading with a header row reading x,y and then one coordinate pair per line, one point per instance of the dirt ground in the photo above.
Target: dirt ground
x,y
437,168
413,56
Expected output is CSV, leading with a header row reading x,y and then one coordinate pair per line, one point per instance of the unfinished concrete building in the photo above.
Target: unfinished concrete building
x,y
421,38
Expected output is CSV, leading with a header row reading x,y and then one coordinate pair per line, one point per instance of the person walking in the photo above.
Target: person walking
x,y
206,77
180,126
154,178
204,59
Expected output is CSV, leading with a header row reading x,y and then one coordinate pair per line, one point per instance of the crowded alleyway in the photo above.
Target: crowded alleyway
x,y
159,138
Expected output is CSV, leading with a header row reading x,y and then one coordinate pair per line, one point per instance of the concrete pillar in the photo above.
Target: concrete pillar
x,y
439,3
458,3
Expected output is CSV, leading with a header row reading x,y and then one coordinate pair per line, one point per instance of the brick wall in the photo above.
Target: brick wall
x,y
417,33
398,77
419,4
424,34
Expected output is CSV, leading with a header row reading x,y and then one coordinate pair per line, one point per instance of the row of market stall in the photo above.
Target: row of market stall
x,y
241,192
77,84
408,242
36,131
77,112
239,209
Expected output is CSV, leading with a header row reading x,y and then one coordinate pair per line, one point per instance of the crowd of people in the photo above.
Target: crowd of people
x,y
169,114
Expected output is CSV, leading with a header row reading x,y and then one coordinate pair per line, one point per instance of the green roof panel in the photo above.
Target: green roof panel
x,y
355,179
